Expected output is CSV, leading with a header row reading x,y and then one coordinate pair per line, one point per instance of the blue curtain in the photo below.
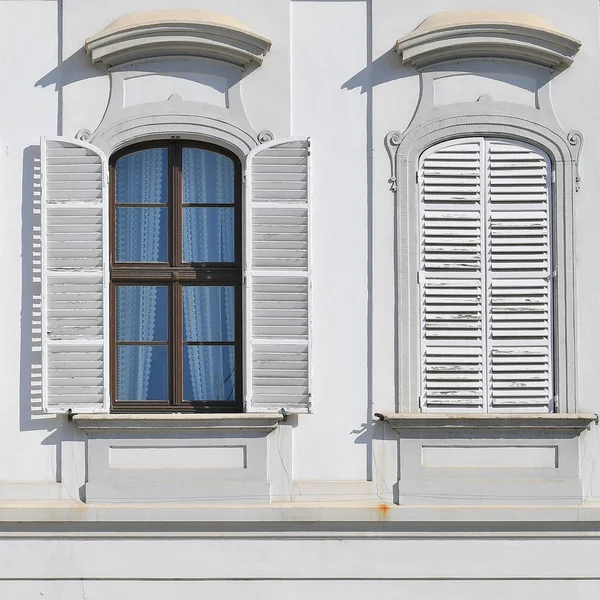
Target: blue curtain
x,y
208,233
141,178
209,316
208,236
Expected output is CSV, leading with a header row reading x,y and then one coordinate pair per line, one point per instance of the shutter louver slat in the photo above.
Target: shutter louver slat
x,y
75,277
519,278
278,270
451,278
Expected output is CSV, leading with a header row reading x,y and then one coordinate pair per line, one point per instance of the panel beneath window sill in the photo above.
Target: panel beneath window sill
x,y
199,458
489,459
177,422
574,423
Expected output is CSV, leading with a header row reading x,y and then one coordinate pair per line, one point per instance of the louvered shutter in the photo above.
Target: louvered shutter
x,y
451,277
519,277
278,277
74,276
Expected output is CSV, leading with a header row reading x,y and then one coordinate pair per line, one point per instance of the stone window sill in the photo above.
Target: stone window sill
x,y
91,423
573,423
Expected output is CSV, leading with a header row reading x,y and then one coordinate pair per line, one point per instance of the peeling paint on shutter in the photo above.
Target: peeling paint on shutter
x,y
519,277
278,277
486,285
74,276
451,279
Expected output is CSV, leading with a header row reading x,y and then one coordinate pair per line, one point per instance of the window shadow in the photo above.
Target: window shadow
x,y
30,394
388,67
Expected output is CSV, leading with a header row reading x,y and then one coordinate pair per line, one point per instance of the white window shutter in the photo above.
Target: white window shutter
x,y
75,277
519,277
451,278
277,260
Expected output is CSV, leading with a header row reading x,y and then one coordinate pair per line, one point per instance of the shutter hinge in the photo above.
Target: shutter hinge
x,y
555,403
244,279
418,276
420,401
553,176
417,177
244,177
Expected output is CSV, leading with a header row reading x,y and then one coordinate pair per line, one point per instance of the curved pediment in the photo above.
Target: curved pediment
x,y
157,34
487,34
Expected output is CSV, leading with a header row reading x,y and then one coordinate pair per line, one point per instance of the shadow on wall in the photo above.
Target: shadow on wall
x,y
76,67
388,67
31,416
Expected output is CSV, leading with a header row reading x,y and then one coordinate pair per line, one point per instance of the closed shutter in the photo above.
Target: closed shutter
x,y
74,276
451,279
278,277
485,277
519,277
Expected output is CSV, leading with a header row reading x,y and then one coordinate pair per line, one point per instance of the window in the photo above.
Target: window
x,y
143,289
176,278
485,277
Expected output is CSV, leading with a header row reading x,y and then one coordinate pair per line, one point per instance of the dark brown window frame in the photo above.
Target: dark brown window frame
x,y
175,275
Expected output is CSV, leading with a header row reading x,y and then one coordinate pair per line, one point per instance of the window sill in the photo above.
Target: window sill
x,y
91,423
574,423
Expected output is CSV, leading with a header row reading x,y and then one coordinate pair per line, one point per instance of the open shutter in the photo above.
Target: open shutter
x,y
519,277
278,277
74,276
451,278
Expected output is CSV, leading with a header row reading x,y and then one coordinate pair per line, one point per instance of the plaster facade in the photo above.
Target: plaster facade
x,y
334,501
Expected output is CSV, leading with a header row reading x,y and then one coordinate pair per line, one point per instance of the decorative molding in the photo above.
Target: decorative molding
x,y
487,34
499,120
149,35
84,135
540,422
214,129
575,138
91,423
265,136
392,141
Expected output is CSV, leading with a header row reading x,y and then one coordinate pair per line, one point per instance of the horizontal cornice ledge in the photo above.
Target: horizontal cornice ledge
x,y
487,34
183,422
161,34
540,422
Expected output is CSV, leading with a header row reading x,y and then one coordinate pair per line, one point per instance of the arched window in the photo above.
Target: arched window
x,y
485,276
176,278
144,289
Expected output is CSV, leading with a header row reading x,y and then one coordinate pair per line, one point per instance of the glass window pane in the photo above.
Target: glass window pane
x,y
208,313
208,373
142,313
142,373
208,177
142,177
208,235
142,235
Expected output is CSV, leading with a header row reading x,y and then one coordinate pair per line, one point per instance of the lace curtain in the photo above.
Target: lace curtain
x,y
208,236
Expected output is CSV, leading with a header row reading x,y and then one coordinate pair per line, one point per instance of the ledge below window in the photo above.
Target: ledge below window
x,y
574,423
91,423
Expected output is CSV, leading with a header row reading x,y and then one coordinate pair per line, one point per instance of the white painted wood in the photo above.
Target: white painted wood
x,y
75,277
451,277
486,289
278,277
519,277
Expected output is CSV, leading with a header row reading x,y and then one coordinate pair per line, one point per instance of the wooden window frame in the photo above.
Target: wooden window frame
x,y
175,275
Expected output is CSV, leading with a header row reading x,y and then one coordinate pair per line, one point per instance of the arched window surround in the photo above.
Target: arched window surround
x,y
406,150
